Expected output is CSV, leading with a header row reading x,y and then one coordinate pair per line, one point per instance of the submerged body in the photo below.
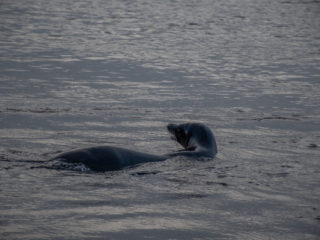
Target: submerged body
x,y
197,140
107,158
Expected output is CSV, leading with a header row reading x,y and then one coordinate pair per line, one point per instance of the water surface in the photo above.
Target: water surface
x,y
78,74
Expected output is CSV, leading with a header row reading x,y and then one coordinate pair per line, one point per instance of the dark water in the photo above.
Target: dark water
x,y
84,73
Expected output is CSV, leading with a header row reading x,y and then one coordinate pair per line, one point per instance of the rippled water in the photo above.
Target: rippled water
x,y
85,73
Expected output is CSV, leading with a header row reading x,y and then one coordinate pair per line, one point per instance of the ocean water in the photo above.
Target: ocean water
x,y
84,73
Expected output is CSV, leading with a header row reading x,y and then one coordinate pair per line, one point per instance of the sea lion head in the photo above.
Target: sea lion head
x,y
193,137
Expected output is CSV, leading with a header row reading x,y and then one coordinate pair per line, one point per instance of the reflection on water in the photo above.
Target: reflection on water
x,y
76,74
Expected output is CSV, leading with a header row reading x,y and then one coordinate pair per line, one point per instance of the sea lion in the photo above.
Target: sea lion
x,y
196,138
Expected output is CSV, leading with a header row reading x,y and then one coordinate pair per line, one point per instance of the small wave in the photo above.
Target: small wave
x,y
38,110
79,167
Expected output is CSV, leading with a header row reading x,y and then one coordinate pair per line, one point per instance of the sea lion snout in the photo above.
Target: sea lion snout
x,y
178,134
171,129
